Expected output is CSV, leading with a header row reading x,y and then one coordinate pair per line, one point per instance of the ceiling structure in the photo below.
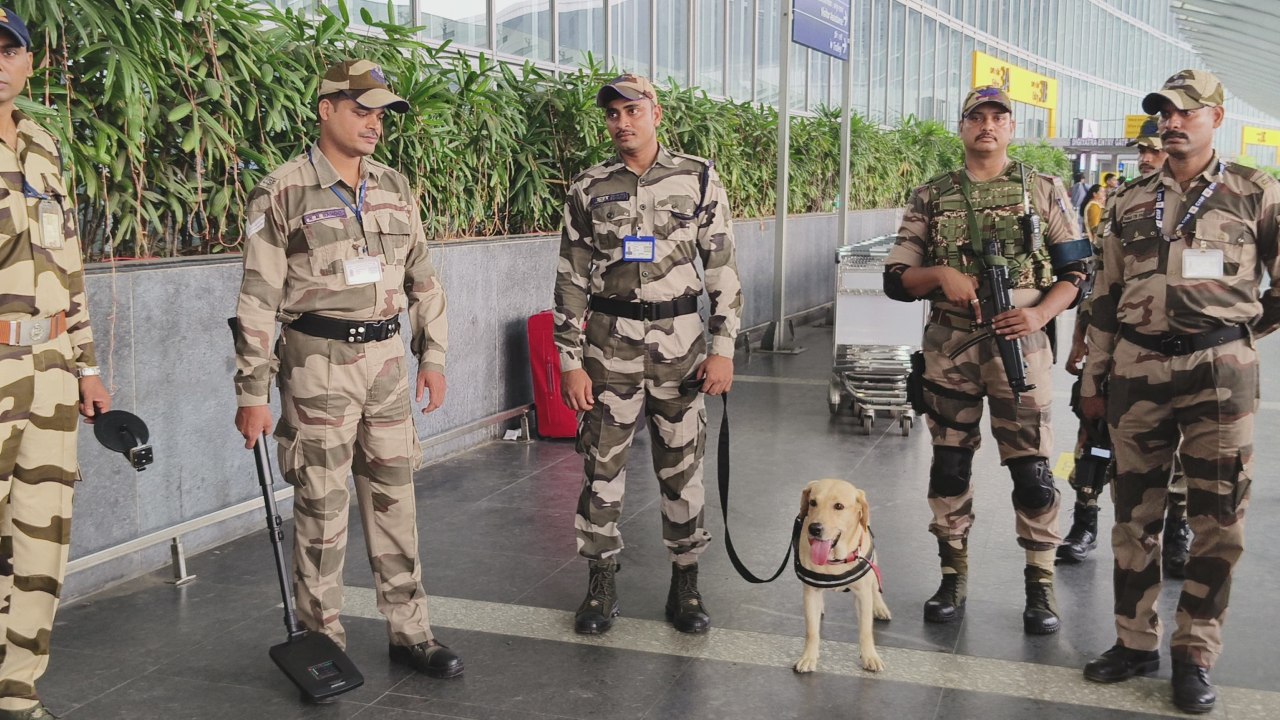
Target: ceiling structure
x,y
1237,39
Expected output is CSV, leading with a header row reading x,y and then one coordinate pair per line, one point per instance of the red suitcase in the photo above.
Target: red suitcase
x,y
555,419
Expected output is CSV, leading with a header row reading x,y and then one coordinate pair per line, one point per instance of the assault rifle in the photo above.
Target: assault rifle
x,y
999,299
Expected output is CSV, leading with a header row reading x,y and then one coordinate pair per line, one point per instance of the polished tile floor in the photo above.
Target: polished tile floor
x,y
504,579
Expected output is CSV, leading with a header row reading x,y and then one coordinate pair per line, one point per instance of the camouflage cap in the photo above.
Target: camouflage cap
x,y
1188,90
985,94
362,81
627,86
1148,135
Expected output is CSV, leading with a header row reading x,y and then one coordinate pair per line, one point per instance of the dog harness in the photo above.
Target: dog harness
x,y
859,567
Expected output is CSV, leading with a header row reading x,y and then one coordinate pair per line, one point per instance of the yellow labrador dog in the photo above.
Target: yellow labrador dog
x,y
835,552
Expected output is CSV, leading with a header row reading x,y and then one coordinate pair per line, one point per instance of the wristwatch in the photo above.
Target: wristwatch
x,y
89,371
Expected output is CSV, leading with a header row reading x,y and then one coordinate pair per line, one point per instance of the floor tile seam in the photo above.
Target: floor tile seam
x,y
539,584
536,713
944,670
512,484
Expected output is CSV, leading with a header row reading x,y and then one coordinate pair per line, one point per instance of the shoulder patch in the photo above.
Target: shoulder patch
x,y
266,182
614,197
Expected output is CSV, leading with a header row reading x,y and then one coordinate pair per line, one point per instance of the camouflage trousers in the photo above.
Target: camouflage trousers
x,y
635,367
1208,400
965,376
38,470
344,408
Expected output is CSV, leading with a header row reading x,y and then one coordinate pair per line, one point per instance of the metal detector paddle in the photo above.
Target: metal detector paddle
x,y
312,660
126,434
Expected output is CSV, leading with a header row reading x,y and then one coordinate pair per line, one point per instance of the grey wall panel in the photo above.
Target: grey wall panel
x,y
166,353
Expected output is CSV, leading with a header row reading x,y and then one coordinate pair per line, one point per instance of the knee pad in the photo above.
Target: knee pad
x,y
1032,482
950,472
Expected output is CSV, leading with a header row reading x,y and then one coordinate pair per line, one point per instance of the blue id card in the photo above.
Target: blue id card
x,y
638,249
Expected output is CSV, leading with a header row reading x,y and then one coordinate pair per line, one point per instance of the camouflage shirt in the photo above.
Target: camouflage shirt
x,y
1142,283
915,236
609,202
300,227
40,277
1084,311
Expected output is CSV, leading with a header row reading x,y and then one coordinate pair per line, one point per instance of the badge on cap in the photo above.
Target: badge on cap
x,y
376,74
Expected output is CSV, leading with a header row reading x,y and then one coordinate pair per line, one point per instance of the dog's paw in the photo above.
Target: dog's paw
x,y
806,664
881,612
871,661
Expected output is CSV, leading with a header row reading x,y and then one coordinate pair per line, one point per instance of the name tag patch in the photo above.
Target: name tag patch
x,y
638,249
50,227
317,216
615,197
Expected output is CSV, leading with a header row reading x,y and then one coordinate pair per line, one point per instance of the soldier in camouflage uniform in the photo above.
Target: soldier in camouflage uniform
x,y
45,345
631,339
1173,330
939,255
335,250
1088,485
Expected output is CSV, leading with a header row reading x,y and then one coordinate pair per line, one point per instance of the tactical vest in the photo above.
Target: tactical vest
x,y
997,205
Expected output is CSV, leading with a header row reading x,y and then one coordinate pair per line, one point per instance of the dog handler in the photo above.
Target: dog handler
x,y
47,371
633,228
939,256
334,248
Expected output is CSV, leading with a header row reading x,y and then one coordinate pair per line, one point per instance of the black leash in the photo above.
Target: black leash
x,y
723,471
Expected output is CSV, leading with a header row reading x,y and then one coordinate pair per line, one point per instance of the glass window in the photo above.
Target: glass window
x,y
798,71
879,61
377,9
912,51
631,35
819,80
860,55
897,62
741,27
710,47
673,42
934,48
767,66
524,28
581,31
465,22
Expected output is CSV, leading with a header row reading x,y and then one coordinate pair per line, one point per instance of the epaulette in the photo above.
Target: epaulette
x,y
1252,174
1143,181
700,160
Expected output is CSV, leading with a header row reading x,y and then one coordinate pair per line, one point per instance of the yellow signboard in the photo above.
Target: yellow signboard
x,y
1133,125
1023,85
1259,136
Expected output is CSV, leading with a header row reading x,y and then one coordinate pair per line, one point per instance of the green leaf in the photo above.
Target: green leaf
x,y
178,113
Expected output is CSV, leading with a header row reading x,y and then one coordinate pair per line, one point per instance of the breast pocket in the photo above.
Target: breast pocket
x,y
393,234
1232,238
330,241
678,219
1141,244
610,222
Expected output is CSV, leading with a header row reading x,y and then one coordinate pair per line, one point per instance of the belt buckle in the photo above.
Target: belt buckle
x,y
31,332
648,311
1175,345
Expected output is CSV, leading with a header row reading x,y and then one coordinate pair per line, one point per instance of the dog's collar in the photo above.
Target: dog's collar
x,y
859,567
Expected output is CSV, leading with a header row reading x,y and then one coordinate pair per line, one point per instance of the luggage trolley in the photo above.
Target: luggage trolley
x,y
873,339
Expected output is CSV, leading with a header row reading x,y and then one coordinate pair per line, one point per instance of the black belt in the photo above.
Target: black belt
x,y
352,331
950,319
1177,345
641,310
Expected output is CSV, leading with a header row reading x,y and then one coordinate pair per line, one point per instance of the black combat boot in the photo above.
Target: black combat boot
x,y
1176,547
1083,536
685,609
947,604
1041,614
596,613
1192,691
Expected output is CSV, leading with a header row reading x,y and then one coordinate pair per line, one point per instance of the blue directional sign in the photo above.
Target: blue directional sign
x,y
822,25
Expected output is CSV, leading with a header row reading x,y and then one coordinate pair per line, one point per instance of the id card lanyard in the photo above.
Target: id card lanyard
x,y
1179,229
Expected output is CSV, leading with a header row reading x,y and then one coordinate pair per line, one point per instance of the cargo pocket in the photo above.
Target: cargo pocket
x,y
328,244
393,231
289,454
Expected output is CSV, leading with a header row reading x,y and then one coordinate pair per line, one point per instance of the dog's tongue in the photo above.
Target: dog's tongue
x,y
819,551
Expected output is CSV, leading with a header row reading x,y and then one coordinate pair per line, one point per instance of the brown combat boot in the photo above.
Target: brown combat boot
x,y
947,604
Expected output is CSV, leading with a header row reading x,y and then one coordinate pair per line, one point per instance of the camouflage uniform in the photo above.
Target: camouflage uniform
x,y
1206,398
344,405
962,364
42,277
639,365
969,374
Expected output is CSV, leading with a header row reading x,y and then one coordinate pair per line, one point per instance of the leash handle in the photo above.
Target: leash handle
x,y
722,471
